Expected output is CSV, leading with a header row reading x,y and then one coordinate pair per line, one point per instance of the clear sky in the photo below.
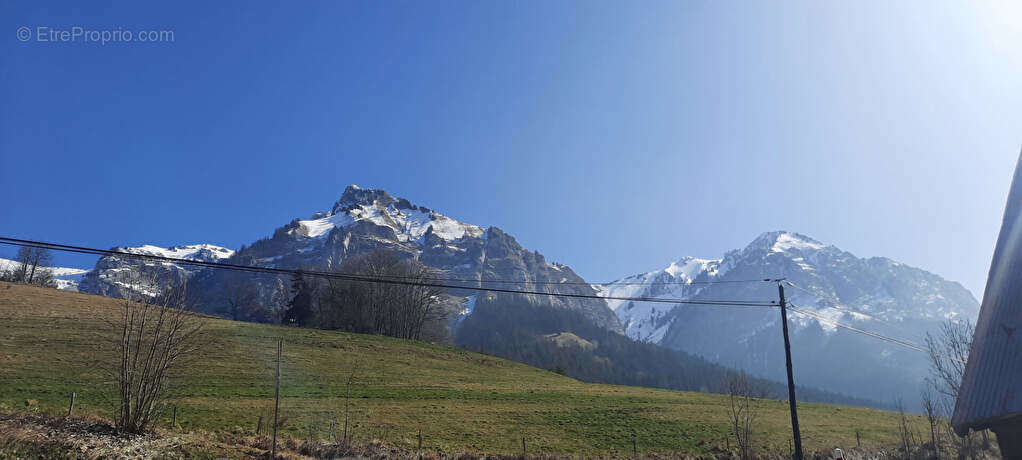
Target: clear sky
x,y
614,137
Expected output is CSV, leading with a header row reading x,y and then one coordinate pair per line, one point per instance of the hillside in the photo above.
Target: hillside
x,y
462,401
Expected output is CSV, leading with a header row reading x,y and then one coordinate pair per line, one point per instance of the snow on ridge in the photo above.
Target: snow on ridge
x,y
191,251
318,227
643,321
408,224
688,268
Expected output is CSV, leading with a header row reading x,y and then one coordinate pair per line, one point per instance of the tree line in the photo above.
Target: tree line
x,y
406,311
31,266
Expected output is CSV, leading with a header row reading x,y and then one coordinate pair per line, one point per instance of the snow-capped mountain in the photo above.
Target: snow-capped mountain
x,y
67,278
876,294
408,222
112,275
643,321
363,220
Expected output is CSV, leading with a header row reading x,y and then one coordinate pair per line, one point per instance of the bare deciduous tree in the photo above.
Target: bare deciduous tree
x,y
397,310
152,335
949,351
32,267
242,299
742,392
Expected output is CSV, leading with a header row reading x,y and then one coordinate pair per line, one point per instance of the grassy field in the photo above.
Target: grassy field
x,y
462,401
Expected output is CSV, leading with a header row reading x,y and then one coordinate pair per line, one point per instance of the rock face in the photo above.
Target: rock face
x,y
112,275
367,219
875,294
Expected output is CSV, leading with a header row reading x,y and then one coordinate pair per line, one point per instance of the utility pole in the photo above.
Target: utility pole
x,y
791,377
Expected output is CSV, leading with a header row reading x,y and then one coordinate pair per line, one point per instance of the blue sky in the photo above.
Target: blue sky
x,y
611,136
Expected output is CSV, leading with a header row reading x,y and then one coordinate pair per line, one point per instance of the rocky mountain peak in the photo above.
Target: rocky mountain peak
x,y
356,196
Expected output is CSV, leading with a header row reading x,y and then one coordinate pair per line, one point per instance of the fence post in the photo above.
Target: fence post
x,y
635,447
524,452
420,438
71,408
174,423
259,424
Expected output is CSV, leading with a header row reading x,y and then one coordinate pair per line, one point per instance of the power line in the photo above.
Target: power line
x,y
839,306
100,252
875,335
617,283
364,278
684,283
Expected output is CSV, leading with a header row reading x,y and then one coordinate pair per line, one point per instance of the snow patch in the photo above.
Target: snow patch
x,y
408,224
469,307
787,241
206,252
688,268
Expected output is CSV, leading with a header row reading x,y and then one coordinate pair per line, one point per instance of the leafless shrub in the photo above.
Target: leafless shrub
x,y
931,409
151,337
905,433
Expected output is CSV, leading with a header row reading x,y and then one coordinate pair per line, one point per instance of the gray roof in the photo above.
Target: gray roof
x,y
992,386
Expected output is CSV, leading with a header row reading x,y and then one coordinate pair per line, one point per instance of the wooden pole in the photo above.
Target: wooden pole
x,y
791,378
174,422
71,408
259,424
635,447
276,398
524,452
420,438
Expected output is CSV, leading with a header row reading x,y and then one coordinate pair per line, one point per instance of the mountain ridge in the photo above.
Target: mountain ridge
x,y
876,293
363,220
881,294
